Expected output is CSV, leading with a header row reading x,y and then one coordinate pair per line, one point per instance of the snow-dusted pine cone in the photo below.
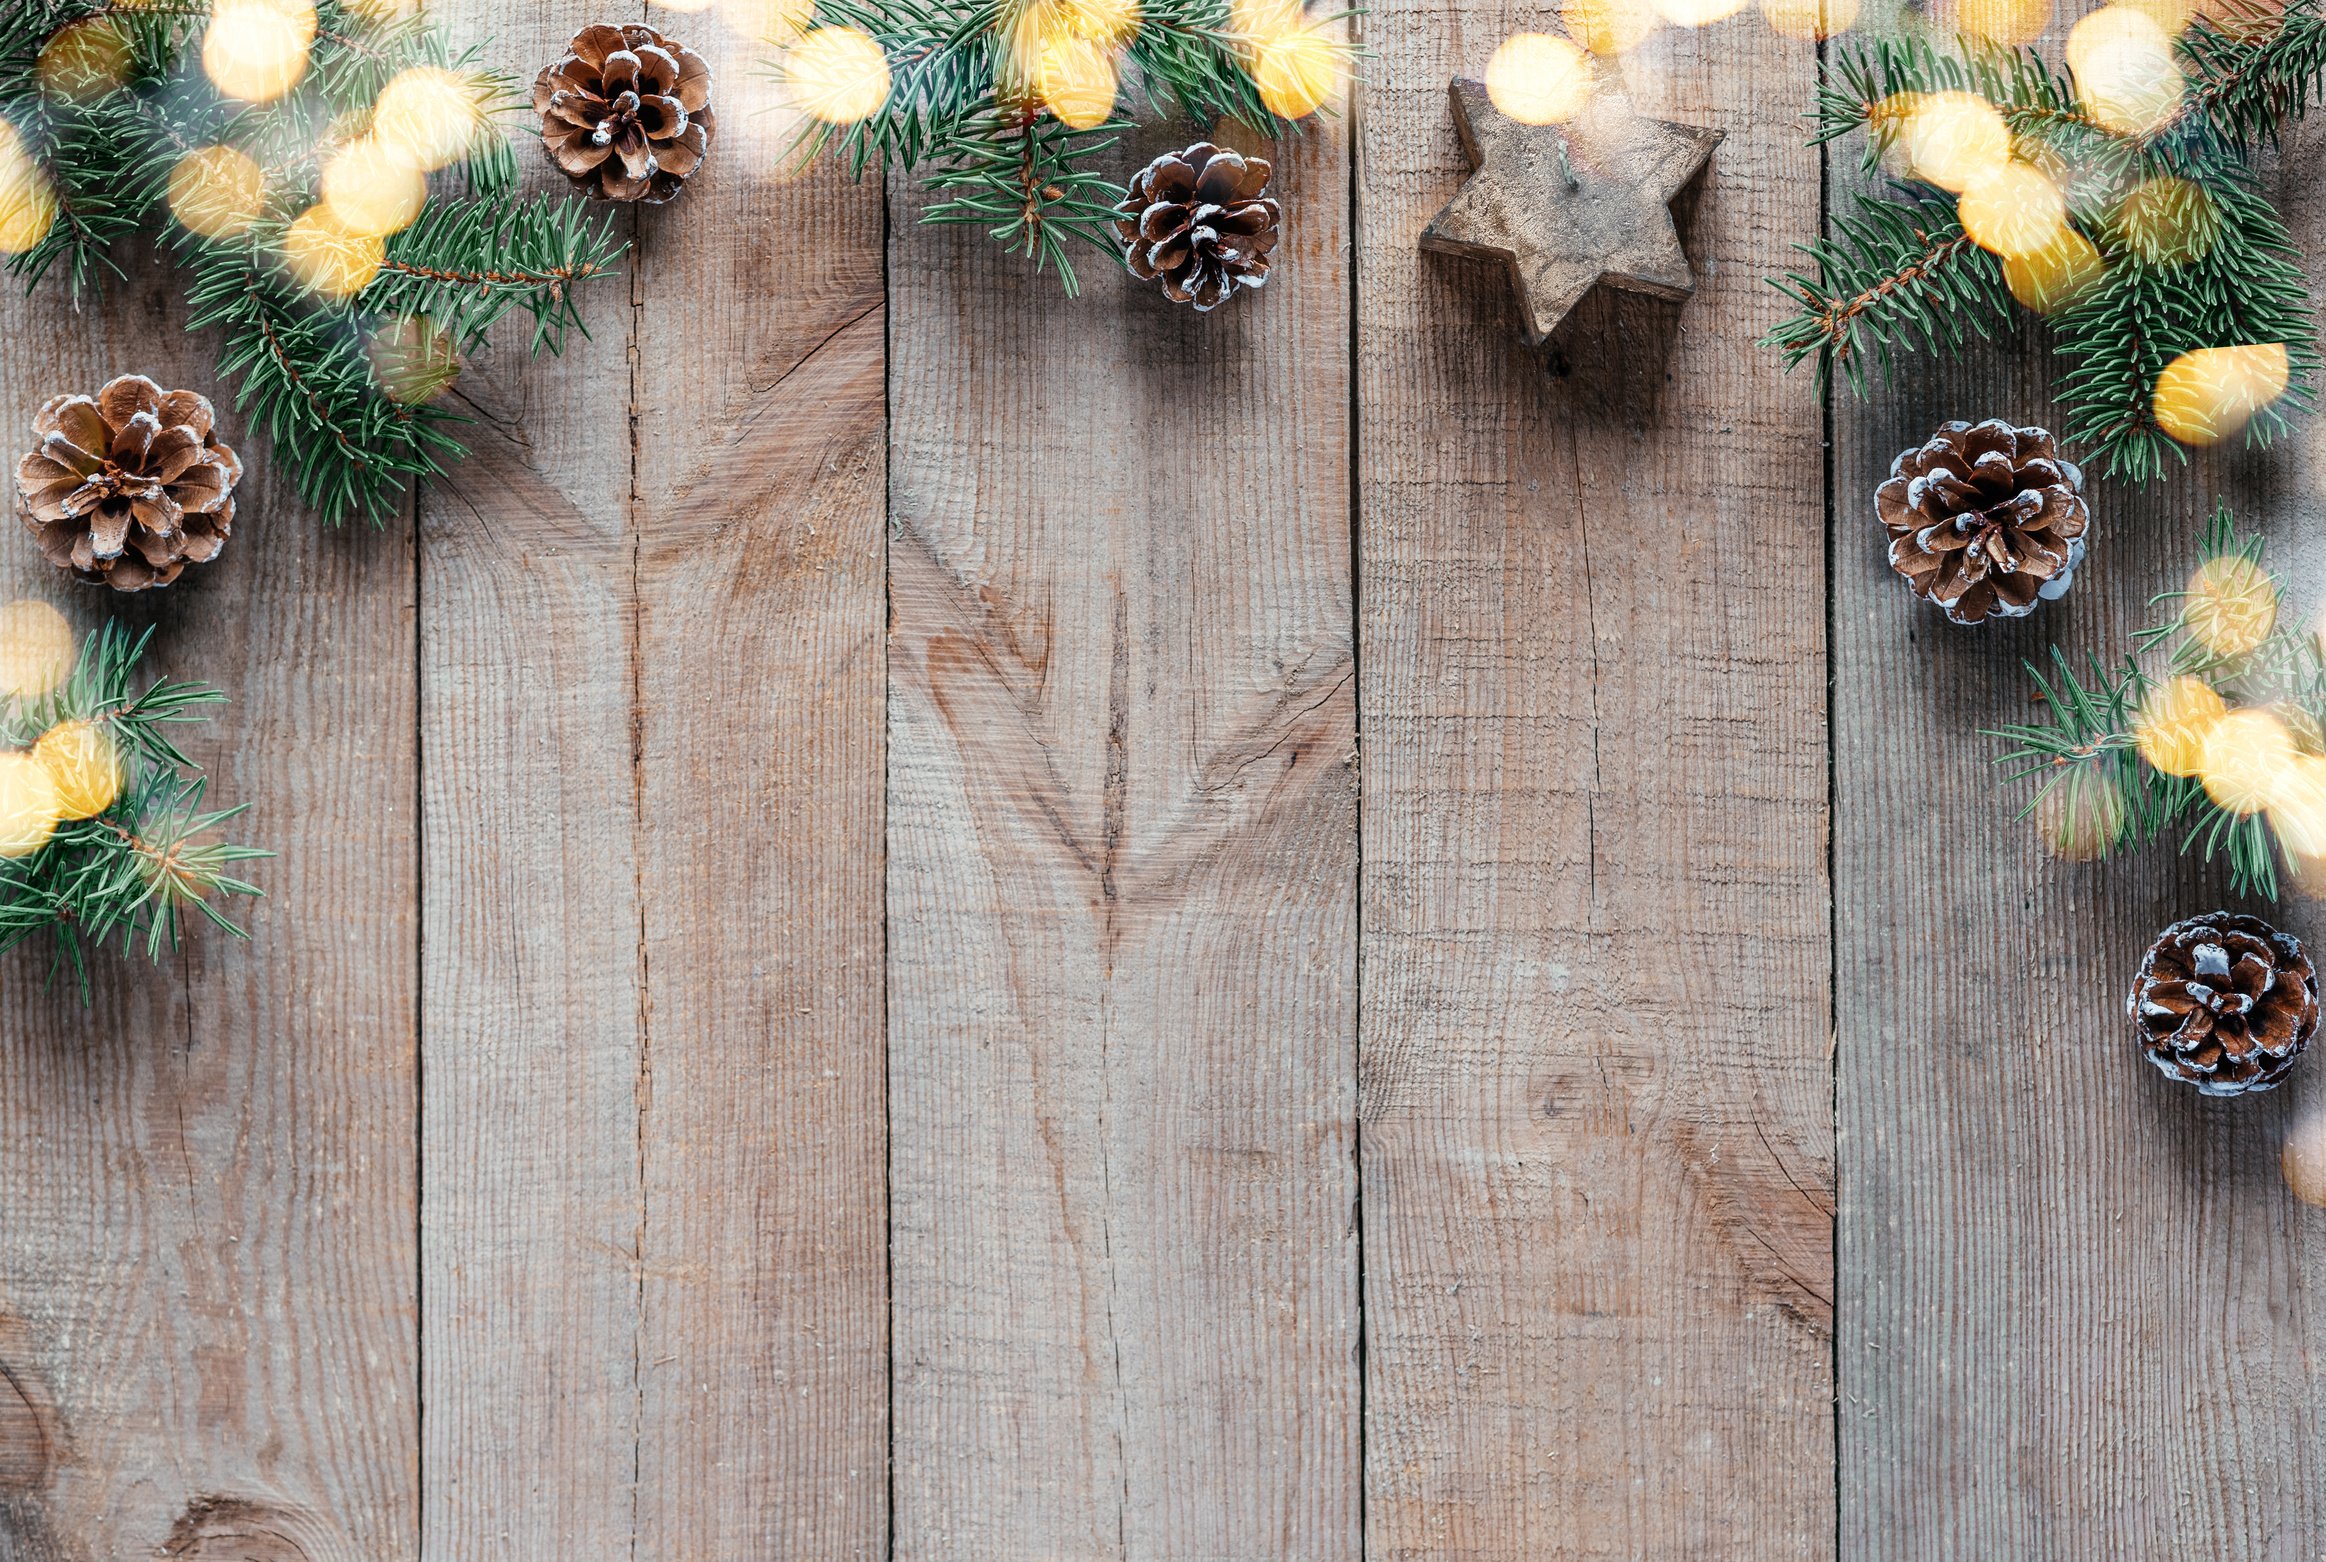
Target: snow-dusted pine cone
x,y
1985,520
626,114
1198,222
2226,1003
130,486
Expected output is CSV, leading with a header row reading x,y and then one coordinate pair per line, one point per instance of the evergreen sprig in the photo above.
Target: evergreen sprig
x,y
301,361
959,109
153,854
1901,275
2100,785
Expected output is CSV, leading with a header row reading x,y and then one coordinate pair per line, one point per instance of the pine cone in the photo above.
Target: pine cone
x,y
1985,519
2225,1002
1197,220
129,488
626,114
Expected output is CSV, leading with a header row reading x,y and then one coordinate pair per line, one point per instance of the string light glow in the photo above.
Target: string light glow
x,y
837,74
2049,279
2203,397
2080,816
2126,76
770,21
81,760
2014,210
1538,79
330,258
428,116
2243,758
256,50
2012,23
2168,221
84,60
1300,71
1698,13
29,807
2231,606
1076,79
36,649
2173,722
1610,27
28,202
1955,139
216,191
1810,20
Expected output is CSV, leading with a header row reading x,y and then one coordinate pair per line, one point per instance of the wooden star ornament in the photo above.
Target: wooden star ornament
x,y
1571,207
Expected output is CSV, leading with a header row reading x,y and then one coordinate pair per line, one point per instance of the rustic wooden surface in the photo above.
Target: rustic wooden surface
x,y
919,922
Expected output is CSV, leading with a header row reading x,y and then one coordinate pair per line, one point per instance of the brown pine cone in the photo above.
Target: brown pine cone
x,y
1197,220
128,488
626,114
2226,1003
1985,520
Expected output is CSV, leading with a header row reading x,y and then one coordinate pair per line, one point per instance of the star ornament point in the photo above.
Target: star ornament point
x,y
1568,208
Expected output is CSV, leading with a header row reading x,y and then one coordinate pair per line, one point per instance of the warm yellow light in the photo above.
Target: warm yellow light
x,y
1610,26
2231,605
329,258
81,759
1810,19
84,60
36,649
28,202
1076,79
2302,1160
1538,79
2081,815
2171,16
29,807
256,50
837,74
684,5
2244,758
414,359
2203,397
2126,77
2011,23
372,190
2055,276
216,191
1111,22
2168,221
1299,72
2297,809
1955,139
769,21
2173,722
1697,13
428,116
2014,210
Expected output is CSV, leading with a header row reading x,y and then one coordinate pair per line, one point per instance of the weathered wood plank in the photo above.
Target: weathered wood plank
x,y
762,502
1121,894
1597,1126
2077,1323
531,1198
207,1317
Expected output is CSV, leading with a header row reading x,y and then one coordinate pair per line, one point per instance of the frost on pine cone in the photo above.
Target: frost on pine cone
x,y
129,487
626,114
1985,520
2226,1003
1197,222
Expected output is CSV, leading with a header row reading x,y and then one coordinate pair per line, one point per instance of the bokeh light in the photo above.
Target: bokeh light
x,y
2303,1159
217,191
2244,757
1698,13
29,807
2203,397
2013,210
413,358
778,22
81,759
1954,139
84,60
1299,71
2011,23
429,116
28,202
2231,605
256,50
683,5
2049,279
837,74
1076,79
2168,221
1111,22
2126,76
36,649
373,189
329,258
2081,815
2173,722
1810,20
1538,79
1610,26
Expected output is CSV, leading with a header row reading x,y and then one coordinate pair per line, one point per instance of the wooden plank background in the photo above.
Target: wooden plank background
x,y
916,921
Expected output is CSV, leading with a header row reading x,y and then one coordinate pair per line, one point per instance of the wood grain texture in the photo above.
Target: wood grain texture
x,y
1121,893
532,1199
2077,1323
1596,1106
207,1317
762,501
